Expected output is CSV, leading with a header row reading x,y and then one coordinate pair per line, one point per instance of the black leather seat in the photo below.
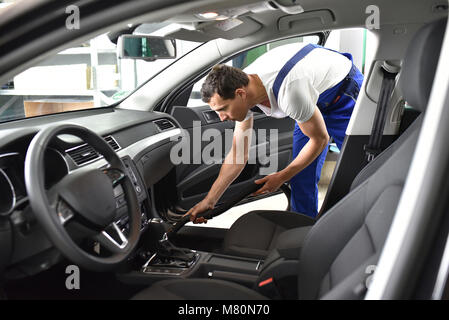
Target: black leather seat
x,y
268,229
339,247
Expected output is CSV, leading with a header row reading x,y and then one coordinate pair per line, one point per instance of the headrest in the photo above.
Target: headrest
x,y
419,66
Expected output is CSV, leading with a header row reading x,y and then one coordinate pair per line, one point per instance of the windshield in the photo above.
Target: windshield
x,y
91,75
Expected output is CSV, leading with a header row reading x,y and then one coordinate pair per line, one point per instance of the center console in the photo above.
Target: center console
x,y
161,261
203,265
120,202
209,265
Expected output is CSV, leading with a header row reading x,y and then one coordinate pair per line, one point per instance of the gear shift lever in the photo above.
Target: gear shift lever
x,y
168,255
165,249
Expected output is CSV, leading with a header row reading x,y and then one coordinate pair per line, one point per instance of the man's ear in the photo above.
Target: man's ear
x,y
240,92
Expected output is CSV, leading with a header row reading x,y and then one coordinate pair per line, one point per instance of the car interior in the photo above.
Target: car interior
x,y
95,188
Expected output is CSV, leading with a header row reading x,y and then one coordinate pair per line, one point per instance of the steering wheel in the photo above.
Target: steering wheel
x,y
83,199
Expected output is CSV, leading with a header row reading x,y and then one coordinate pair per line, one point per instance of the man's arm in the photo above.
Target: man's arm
x,y
315,129
231,168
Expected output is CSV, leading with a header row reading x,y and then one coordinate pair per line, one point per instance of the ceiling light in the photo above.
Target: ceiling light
x,y
208,15
221,17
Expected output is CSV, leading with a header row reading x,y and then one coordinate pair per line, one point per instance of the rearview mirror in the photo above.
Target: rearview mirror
x,y
147,48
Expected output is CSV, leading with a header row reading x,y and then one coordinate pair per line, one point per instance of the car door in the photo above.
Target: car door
x,y
210,139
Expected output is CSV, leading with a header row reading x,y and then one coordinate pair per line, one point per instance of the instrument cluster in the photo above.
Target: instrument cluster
x,y
12,182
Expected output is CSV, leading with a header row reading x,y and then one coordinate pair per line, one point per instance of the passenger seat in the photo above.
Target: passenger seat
x,y
272,229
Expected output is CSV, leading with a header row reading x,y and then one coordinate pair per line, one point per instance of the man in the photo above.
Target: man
x,y
316,87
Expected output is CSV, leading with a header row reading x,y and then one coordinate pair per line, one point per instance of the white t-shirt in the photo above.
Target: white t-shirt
x,y
318,71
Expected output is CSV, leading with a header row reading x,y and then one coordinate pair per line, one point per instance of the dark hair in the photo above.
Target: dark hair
x,y
224,80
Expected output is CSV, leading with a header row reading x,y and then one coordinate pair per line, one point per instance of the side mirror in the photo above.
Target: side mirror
x,y
147,48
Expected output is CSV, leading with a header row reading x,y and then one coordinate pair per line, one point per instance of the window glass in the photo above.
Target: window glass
x,y
90,75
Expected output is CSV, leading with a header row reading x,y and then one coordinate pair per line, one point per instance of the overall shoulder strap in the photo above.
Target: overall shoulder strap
x,y
293,61
289,65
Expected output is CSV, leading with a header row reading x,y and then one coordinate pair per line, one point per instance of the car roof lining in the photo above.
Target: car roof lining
x,y
402,12
327,14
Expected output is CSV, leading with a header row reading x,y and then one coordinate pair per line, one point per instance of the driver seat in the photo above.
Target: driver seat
x,y
349,238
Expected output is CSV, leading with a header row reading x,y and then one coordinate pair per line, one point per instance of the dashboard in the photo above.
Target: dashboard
x,y
138,137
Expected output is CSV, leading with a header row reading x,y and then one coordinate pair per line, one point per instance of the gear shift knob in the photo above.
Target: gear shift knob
x,y
165,249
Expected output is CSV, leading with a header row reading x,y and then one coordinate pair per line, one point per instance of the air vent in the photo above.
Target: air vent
x,y
112,142
82,154
164,124
85,153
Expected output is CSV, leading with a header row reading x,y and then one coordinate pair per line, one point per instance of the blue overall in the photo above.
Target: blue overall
x,y
336,105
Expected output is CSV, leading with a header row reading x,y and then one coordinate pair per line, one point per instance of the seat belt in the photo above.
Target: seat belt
x,y
372,149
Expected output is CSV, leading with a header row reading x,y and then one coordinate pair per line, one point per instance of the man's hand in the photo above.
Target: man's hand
x,y
271,183
200,207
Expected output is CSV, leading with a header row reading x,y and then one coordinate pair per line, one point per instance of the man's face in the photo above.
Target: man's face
x,y
230,109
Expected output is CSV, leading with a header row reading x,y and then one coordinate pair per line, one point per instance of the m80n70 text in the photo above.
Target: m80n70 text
x,y
244,309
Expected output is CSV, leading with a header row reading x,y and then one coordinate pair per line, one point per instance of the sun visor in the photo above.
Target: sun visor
x,y
190,35
229,29
318,19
